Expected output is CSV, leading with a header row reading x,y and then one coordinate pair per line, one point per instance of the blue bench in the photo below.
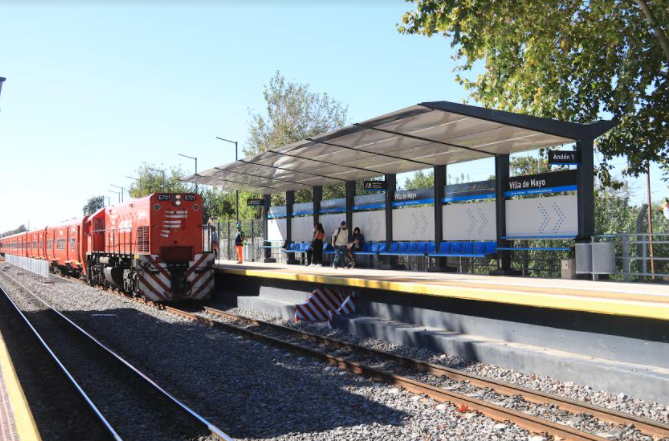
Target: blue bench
x,y
465,249
296,247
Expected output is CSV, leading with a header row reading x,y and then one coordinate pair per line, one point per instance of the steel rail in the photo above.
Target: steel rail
x,y
648,427
62,367
530,423
499,413
218,433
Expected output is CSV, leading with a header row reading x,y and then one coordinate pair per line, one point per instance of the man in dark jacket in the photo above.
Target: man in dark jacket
x,y
240,239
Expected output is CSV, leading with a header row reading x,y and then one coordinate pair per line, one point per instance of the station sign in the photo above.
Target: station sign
x,y
255,202
554,182
375,185
563,157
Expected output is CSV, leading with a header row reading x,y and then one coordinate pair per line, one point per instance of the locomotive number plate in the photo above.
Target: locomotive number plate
x,y
189,197
164,197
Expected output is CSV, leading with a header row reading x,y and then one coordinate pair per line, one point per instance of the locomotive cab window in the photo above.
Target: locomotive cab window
x,y
72,243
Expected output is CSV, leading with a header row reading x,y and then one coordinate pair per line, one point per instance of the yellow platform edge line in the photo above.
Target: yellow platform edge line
x,y
555,301
23,417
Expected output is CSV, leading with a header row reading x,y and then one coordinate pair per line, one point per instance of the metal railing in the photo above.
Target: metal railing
x,y
633,255
36,266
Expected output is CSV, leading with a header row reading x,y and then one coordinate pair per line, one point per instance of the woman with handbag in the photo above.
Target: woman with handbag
x,y
315,251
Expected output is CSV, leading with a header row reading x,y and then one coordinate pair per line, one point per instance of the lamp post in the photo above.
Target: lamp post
x,y
162,187
195,158
122,189
236,191
2,80
139,182
118,193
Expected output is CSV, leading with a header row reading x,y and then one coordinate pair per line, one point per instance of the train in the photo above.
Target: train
x,y
150,247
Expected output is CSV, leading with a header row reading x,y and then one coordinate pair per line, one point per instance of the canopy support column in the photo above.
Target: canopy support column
x,y
318,197
391,182
439,194
290,200
350,196
267,201
501,186
586,191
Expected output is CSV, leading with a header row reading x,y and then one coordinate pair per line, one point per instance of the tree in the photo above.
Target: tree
x,y
292,113
420,179
566,59
21,229
93,205
151,180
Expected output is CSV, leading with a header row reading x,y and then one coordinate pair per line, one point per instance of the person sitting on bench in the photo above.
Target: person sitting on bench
x,y
356,244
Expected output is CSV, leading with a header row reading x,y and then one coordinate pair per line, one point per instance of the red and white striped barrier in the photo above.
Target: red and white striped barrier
x,y
317,306
347,307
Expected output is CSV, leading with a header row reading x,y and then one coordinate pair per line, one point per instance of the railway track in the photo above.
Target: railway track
x,y
127,402
395,370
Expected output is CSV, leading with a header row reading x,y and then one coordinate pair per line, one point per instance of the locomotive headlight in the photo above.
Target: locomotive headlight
x,y
177,202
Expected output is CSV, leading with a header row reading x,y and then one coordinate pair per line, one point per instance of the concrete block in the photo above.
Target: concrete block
x,y
276,308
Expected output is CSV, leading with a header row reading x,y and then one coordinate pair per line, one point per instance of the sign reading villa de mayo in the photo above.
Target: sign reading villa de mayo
x,y
562,157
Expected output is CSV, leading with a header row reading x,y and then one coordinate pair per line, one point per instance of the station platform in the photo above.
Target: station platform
x,y
643,300
16,419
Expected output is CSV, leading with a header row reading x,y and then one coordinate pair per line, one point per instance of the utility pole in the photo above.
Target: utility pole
x,y
236,191
195,158
2,80
650,222
162,187
141,193
118,186
118,193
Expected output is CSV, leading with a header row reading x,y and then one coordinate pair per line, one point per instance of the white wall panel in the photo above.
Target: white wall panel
x,y
475,221
415,224
372,224
302,229
551,216
330,223
276,229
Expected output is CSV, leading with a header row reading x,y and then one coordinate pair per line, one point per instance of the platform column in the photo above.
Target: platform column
x,y
267,202
290,200
586,191
350,197
501,186
391,181
439,194
318,197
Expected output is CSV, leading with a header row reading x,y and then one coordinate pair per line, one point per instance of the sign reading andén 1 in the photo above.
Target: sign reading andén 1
x,y
255,202
563,157
375,185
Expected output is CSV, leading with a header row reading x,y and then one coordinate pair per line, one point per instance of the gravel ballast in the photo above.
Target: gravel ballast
x,y
586,394
255,392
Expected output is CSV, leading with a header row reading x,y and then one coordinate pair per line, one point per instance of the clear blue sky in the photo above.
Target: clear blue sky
x,y
94,91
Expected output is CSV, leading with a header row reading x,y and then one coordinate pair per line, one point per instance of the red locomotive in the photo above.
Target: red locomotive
x,y
151,247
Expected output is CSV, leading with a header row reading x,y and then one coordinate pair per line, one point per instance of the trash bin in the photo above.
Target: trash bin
x,y
248,253
597,258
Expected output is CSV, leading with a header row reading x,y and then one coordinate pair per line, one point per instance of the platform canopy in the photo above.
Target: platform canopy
x,y
414,138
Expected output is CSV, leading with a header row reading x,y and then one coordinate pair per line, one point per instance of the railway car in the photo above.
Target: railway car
x,y
150,247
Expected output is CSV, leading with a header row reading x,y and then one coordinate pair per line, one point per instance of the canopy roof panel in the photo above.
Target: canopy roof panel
x,y
414,138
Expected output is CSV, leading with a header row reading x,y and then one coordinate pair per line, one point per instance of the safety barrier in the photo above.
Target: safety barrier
x,y
37,266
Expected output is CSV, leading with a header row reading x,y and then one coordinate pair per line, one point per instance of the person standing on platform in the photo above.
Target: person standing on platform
x,y
240,240
214,242
315,251
339,242
355,245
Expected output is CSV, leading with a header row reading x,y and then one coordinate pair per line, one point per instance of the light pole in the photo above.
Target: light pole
x,y
2,80
195,158
108,201
162,187
139,183
118,193
118,186
236,191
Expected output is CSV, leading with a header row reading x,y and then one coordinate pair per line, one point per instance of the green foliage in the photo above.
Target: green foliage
x,y
21,229
420,179
152,179
93,205
564,59
292,113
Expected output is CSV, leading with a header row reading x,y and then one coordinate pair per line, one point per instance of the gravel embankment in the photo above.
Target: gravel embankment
x,y
256,392
133,408
586,394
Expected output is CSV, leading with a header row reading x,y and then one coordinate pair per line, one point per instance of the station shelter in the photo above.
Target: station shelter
x,y
428,135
